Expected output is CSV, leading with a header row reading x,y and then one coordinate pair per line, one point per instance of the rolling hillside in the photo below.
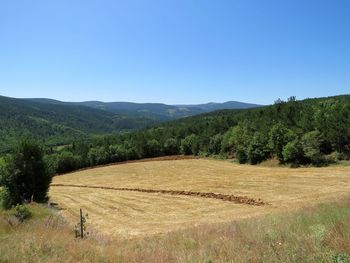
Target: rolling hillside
x,y
158,111
56,122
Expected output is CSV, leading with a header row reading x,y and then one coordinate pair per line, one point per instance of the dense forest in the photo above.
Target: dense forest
x,y
309,132
58,123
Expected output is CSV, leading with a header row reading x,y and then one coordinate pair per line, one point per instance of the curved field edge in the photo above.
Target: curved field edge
x,y
310,234
130,213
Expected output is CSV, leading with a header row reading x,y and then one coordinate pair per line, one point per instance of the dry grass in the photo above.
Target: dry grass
x,y
127,214
313,234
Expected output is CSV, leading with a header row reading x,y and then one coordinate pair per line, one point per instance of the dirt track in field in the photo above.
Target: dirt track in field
x,y
230,198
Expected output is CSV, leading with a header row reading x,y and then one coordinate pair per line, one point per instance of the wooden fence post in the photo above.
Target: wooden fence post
x,y
81,224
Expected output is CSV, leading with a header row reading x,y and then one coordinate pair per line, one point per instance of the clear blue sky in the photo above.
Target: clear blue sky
x,y
174,51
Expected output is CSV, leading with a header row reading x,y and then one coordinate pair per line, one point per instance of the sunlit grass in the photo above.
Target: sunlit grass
x,y
311,234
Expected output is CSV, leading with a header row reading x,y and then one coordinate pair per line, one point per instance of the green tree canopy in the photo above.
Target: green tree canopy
x,y
258,149
171,146
311,143
293,152
25,175
190,145
279,136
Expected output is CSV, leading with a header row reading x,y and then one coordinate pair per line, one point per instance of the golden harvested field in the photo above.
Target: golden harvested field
x,y
125,209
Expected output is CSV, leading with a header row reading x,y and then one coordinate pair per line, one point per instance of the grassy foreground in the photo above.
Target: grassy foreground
x,y
316,234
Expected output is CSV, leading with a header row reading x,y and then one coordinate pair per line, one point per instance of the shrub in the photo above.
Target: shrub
x,y
203,154
341,258
5,198
22,212
335,157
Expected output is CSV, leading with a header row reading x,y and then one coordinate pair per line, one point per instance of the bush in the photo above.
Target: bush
x,y
335,157
203,154
22,212
341,258
5,199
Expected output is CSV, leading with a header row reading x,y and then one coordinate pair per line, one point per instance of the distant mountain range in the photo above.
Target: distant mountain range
x,y
57,122
158,111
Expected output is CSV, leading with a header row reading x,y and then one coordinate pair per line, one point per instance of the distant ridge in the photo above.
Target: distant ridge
x,y
158,111
212,106
56,122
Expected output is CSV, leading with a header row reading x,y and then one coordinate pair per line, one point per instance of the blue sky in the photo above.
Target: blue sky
x,y
174,51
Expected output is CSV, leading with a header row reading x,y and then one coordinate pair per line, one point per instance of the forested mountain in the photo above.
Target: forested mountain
x,y
56,122
158,111
312,131
212,106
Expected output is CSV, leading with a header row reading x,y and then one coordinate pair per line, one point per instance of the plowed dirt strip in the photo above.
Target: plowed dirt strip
x,y
225,197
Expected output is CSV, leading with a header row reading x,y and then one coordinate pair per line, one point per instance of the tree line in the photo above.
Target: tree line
x,y
308,132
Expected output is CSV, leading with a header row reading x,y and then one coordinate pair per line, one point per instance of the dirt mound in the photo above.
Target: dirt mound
x,y
225,197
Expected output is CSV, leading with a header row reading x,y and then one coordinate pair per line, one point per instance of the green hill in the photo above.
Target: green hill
x,y
54,123
158,111
57,123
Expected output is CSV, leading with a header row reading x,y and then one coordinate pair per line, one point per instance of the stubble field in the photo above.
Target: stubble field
x,y
143,198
